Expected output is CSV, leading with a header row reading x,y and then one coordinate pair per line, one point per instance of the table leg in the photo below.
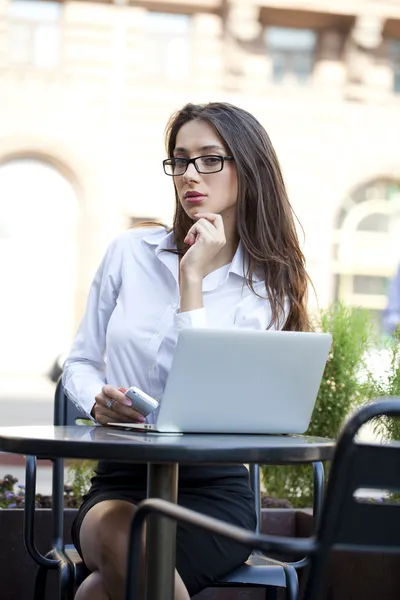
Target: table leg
x,y
161,534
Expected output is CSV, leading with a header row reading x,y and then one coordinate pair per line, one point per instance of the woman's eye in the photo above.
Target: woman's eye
x,y
210,160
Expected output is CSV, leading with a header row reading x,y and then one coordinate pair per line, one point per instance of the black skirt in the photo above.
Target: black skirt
x,y
222,492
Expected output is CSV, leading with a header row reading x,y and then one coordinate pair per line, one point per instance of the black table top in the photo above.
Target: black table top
x,y
111,443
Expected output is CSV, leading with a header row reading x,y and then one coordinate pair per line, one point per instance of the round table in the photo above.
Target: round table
x,y
163,453
117,443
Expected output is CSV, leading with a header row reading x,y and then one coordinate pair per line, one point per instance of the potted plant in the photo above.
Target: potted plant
x,y
17,569
357,371
341,390
387,384
349,379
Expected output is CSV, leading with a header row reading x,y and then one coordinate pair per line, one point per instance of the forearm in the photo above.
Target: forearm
x,y
82,382
191,292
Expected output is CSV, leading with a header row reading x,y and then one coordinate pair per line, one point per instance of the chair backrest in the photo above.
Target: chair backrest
x,y
65,411
254,472
350,521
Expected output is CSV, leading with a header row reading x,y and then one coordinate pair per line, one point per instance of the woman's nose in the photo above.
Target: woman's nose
x,y
191,173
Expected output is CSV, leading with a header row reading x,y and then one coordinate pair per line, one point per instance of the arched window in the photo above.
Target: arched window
x,y
375,222
366,244
38,257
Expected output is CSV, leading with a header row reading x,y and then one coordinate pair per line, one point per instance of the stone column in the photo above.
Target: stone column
x,y
367,31
4,29
207,50
243,20
330,71
244,36
366,79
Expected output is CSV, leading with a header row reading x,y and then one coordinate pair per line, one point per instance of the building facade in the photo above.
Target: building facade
x,y
86,89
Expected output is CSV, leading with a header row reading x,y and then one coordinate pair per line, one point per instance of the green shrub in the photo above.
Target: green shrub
x,y
387,384
12,495
78,477
340,391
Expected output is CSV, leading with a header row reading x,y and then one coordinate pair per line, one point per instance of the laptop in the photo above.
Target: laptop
x,y
241,381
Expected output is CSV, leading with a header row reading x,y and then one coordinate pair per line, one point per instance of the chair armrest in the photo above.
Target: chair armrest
x,y
247,538
319,483
29,517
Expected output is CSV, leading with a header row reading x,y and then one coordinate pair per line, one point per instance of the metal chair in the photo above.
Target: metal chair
x,y
63,558
348,522
258,571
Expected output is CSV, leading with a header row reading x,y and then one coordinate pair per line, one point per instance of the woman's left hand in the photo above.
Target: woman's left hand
x,y
206,238
112,406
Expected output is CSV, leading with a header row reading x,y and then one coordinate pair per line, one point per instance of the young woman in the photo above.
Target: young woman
x,y
232,259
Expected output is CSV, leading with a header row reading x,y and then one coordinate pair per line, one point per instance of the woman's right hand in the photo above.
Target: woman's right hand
x,y
206,238
112,406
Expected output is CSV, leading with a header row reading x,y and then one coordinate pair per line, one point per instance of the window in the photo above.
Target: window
x,y
39,251
364,240
35,33
369,284
394,57
292,53
382,191
374,222
167,45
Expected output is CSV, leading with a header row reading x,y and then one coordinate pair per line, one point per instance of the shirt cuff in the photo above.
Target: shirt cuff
x,y
85,400
195,319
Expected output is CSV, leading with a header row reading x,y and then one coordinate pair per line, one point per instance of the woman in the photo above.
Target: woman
x,y
231,260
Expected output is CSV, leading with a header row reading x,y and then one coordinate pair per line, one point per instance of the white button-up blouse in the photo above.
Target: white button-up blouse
x,y
132,320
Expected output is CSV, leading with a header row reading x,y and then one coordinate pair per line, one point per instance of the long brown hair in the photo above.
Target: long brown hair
x,y
265,220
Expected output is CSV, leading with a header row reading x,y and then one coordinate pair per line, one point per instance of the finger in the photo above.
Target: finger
x,y
205,225
114,393
192,235
202,228
101,417
213,218
190,238
108,415
212,229
105,419
108,404
125,412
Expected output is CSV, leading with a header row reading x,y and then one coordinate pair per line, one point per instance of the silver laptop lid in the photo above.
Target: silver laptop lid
x,y
243,381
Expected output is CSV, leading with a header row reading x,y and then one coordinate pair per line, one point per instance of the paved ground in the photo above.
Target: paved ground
x,y
25,400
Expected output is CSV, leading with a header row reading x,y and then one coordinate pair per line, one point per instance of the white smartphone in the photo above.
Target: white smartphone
x,y
141,402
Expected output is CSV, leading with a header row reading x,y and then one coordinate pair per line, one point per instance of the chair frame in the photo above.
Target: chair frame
x,y
72,570
59,557
319,546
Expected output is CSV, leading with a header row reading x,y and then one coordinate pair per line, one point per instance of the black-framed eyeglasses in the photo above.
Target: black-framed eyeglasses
x,y
211,163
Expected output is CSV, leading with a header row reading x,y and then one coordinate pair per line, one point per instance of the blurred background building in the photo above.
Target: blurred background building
x,y
86,89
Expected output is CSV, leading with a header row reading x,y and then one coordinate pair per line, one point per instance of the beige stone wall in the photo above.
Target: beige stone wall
x,y
100,119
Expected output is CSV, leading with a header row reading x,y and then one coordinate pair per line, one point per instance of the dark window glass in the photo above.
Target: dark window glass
x,y
35,33
292,53
375,222
394,57
370,284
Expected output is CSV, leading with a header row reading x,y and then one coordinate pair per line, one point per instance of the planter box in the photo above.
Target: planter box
x,y
14,560
17,569
352,576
